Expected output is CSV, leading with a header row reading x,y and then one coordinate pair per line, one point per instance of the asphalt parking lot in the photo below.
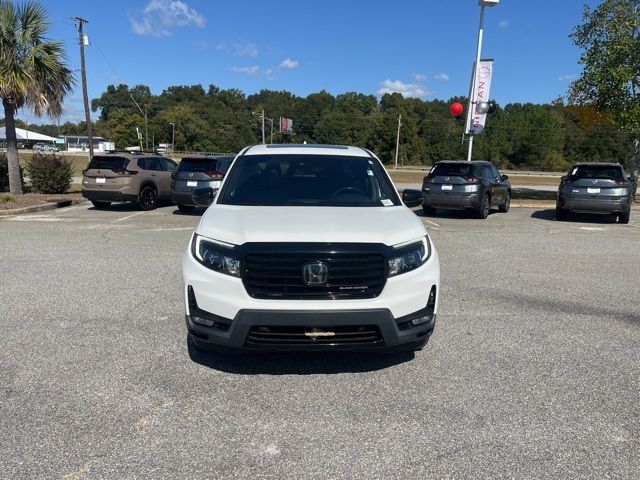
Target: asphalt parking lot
x,y
533,371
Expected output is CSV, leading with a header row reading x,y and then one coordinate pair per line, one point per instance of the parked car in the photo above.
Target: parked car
x,y
595,188
44,147
460,185
197,172
21,145
308,247
140,178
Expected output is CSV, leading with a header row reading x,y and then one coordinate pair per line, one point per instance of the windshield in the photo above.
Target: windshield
x,y
308,180
597,171
451,170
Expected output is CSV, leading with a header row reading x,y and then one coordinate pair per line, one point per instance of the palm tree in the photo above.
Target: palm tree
x,y
33,72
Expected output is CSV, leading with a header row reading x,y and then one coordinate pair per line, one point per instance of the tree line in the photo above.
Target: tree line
x,y
519,136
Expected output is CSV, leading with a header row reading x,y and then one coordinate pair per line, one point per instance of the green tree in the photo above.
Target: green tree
x,y
609,38
32,72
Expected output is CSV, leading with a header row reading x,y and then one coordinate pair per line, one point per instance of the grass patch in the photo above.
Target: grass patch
x,y
7,198
526,194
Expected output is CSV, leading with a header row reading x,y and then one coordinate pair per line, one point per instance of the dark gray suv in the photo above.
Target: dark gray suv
x,y
197,172
595,188
460,185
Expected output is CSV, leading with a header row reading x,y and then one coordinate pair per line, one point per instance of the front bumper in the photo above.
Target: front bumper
x,y
236,313
294,330
452,201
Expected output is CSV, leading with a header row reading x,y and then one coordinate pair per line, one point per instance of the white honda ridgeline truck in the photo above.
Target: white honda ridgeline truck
x,y
309,247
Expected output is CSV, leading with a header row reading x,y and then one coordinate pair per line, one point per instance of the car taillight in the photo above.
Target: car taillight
x,y
621,181
470,179
124,171
213,174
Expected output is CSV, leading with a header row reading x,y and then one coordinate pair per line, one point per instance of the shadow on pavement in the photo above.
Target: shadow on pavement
x,y
550,214
197,212
297,363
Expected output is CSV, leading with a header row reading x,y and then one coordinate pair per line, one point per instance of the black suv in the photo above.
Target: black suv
x,y
197,172
459,185
595,188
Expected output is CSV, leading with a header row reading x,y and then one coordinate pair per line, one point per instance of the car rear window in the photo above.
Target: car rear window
x,y
597,171
451,170
205,164
107,163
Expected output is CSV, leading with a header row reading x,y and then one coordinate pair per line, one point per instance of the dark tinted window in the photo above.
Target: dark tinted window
x,y
596,171
154,163
451,170
169,165
195,164
309,180
107,163
224,163
495,172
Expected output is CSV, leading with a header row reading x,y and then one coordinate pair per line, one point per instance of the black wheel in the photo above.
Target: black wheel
x,y
148,199
561,214
186,208
428,210
485,207
101,205
624,216
504,208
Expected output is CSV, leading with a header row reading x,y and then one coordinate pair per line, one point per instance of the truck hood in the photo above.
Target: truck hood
x,y
243,224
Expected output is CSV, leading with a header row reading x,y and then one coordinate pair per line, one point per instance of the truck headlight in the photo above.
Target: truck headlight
x,y
214,255
415,255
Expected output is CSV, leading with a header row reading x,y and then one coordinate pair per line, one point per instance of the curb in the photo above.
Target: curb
x,y
41,208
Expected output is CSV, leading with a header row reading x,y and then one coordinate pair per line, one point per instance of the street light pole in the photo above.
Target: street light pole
x,y
472,103
263,137
173,136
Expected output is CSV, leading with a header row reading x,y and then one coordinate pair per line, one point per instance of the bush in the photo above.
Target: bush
x,y
7,198
4,173
49,173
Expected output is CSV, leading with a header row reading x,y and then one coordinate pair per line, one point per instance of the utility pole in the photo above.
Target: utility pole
x,y
398,140
263,137
80,25
146,129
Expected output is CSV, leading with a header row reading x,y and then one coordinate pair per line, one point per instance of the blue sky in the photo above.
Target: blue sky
x,y
420,48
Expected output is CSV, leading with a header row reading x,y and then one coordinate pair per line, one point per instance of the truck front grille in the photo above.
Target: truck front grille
x,y
280,275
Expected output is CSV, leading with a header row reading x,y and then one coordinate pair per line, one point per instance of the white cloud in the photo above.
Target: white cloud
x,y
503,24
442,77
289,64
160,17
418,77
269,74
248,70
245,49
408,90
568,78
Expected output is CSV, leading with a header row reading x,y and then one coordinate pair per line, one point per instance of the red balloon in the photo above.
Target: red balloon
x,y
456,109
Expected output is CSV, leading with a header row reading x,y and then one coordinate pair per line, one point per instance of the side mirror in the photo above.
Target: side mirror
x,y
202,197
412,198
504,178
563,178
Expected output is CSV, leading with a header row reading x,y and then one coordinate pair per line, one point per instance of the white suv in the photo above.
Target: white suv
x,y
309,247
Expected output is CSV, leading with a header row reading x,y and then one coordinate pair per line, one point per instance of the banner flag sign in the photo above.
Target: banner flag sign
x,y
475,121
286,125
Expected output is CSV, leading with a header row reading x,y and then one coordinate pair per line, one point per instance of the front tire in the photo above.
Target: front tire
x,y
504,208
101,205
485,207
148,199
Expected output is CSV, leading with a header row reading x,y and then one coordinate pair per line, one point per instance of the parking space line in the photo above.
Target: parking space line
x,y
127,217
431,223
